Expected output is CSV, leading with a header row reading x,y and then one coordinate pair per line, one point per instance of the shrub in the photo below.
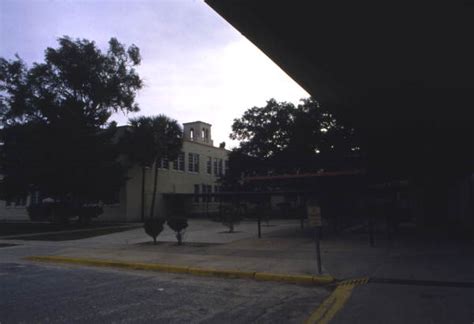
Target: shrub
x,y
178,225
39,212
86,213
230,216
153,227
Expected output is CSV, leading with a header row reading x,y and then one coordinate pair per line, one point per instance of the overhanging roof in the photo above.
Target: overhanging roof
x,y
400,71
345,52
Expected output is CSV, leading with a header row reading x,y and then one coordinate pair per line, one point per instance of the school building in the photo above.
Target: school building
x,y
196,171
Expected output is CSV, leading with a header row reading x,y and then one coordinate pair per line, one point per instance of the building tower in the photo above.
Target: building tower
x,y
199,132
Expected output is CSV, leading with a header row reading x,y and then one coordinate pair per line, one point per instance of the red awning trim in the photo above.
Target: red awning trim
x,y
305,175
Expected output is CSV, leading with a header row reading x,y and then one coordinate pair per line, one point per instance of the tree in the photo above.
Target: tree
x,y
139,146
148,140
55,120
153,227
168,137
178,225
280,137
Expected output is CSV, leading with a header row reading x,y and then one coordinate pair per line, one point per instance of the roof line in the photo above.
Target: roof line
x,y
305,175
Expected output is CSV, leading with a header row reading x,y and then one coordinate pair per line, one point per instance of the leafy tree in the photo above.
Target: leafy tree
x,y
280,137
54,119
153,227
231,214
178,225
239,164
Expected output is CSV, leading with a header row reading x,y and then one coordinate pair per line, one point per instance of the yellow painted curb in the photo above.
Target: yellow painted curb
x,y
222,273
111,263
336,301
300,279
322,280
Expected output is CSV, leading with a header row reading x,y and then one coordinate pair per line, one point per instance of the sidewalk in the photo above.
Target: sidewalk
x,y
283,249
208,245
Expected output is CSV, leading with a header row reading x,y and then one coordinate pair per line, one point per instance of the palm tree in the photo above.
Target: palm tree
x,y
168,137
140,148
146,141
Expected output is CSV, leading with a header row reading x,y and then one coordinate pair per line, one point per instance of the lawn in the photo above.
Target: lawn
x,y
42,231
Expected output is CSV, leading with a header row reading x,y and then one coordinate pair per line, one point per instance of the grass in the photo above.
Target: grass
x,y
34,232
6,245
7,229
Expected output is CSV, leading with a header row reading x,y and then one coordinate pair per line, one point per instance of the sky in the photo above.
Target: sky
x,y
195,65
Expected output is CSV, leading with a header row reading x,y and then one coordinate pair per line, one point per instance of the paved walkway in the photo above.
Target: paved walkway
x,y
207,245
414,278
283,248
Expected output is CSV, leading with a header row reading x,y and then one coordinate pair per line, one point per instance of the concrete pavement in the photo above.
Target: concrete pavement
x,y
207,245
410,269
283,248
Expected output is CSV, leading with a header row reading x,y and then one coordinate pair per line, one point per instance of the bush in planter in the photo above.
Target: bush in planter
x,y
230,216
178,225
54,212
86,213
153,227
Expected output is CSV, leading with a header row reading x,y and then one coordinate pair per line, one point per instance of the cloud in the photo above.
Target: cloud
x,y
195,65
215,85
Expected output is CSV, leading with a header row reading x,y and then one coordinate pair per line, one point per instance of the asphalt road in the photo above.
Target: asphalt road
x,y
427,282
32,293
407,303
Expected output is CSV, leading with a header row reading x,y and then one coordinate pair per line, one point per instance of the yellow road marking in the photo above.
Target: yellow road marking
x,y
335,302
301,279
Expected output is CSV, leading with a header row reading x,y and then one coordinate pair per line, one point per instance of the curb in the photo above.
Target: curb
x,y
263,276
326,311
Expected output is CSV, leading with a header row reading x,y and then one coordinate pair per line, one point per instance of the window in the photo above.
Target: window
x,y
178,164
191,134
20,201
193,162
226,166
35,197
205,134
209,191
204,191
196,192
164,163
114,198
221,167
181,161
216,190
215,167
175,164
209,165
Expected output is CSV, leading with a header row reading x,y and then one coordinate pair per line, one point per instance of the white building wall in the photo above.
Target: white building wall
x,y
173,181
169,181
12,213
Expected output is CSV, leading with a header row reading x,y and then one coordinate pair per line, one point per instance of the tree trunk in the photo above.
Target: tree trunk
x,y
143,195
179,237
153,197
